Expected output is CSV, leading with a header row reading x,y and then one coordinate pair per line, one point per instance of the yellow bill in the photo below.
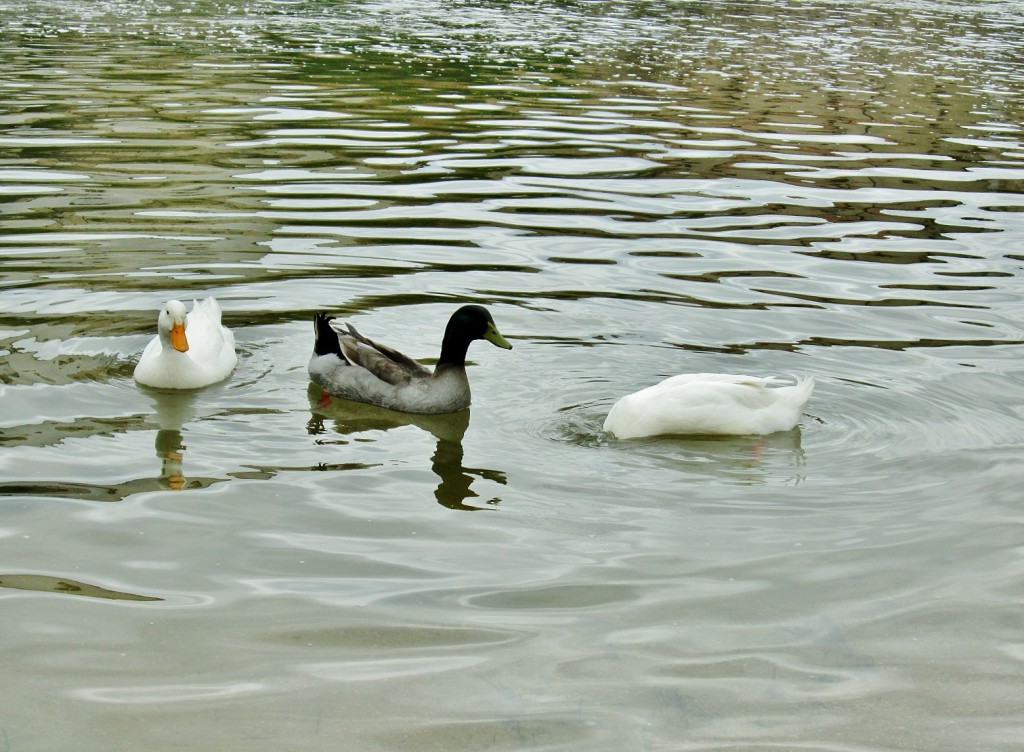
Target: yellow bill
x,y
493,336
178,338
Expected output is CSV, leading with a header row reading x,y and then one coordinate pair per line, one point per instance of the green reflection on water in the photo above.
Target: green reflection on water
x,y
48,584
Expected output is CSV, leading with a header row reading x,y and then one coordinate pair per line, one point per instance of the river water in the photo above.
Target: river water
x,y
801,187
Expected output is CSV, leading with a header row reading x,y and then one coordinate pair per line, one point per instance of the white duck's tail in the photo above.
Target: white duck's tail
x,y
801,391
209,308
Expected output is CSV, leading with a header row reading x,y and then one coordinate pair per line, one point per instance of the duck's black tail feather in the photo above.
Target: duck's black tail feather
x,y
326,342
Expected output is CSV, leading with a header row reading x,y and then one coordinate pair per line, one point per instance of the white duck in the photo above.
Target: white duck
x,y
709,403
190,350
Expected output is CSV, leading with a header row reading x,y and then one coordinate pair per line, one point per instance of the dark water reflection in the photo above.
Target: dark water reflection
x,y
634,190
43,583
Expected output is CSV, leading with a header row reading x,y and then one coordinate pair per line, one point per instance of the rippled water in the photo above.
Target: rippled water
x,y
634,190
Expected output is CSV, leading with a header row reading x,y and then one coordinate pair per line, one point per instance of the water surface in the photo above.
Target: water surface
x,y
807,188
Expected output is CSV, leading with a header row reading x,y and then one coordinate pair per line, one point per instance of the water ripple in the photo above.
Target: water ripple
x,y
807,188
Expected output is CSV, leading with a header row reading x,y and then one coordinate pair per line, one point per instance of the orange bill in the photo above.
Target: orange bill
x,y
178,338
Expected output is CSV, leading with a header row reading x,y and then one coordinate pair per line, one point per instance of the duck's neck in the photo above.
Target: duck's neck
x,y
453,350
167,346
326,342
165,338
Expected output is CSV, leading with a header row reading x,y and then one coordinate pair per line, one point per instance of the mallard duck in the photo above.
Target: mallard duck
x,y
191,350
709,403
356,368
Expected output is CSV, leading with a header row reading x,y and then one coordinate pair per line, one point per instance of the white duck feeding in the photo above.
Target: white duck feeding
x,y
709,404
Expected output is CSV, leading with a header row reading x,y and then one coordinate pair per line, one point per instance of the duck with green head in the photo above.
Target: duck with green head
x,y
351,366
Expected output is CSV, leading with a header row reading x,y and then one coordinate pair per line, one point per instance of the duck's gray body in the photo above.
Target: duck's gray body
x,y
351,366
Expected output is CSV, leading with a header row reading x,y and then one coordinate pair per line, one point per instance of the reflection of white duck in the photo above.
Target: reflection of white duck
x,y
172,410
709,403
190,350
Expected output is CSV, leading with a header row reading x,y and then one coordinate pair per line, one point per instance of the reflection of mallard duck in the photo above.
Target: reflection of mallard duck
x,y
348,417
356,368
709,403
456,480
190,350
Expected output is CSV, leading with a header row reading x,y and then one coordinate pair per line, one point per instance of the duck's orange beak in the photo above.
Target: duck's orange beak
x,y
178,338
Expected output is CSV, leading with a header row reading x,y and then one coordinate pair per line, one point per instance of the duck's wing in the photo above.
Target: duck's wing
x,y
386,363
